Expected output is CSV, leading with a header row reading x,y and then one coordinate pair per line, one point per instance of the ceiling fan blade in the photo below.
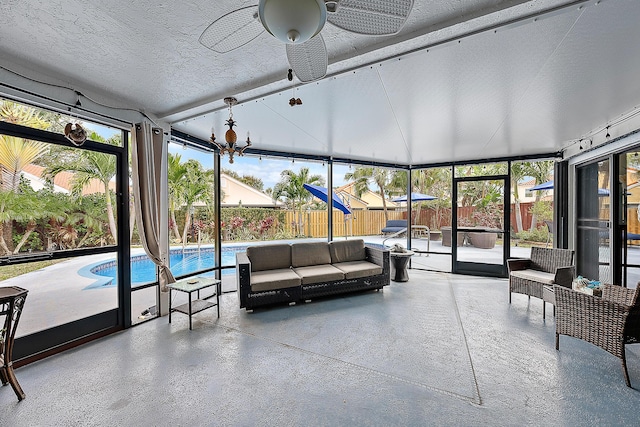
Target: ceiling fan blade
x,y
309,59
371,17
233,30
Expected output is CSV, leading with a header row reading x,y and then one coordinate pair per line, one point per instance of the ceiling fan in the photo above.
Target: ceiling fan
x,y
298,24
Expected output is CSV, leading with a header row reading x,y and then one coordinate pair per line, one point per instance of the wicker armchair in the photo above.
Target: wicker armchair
x,y
547,266
609,322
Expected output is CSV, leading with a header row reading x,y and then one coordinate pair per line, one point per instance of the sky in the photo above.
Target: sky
x,y
268,169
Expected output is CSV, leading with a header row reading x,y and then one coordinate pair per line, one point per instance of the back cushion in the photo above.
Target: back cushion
x,y
304,254
269,257
347,250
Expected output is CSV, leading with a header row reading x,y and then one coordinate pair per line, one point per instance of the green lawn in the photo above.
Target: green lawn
x,y
9,271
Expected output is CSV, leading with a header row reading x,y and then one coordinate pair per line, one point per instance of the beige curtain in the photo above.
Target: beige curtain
x,y
149,174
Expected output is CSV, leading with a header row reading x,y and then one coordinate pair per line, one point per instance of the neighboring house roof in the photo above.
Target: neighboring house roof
x,y
62,181
350,200
238,193
371,199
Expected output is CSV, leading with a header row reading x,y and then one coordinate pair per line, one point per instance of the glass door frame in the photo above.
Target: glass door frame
x,y
52,340
474,268
615,225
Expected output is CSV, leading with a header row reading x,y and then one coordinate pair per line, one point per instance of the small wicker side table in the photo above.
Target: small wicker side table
x,y
12,300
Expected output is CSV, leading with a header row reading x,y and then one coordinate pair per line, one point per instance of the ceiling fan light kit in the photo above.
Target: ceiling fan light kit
x,y
292,21
298,24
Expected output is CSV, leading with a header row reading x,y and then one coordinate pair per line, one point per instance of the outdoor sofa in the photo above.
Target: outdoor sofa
x,y
283,273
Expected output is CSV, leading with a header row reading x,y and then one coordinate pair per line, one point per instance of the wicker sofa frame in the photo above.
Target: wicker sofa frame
x,y
555,262
609,322
251,299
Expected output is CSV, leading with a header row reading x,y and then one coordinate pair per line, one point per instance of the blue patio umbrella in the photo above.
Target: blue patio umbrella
x,y
321,193
544,186
415,197
549,186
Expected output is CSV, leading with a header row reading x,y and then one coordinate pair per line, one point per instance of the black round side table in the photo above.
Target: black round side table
x,y
399,260
12,300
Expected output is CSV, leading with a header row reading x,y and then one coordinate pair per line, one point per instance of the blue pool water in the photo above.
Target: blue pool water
x,y
143,270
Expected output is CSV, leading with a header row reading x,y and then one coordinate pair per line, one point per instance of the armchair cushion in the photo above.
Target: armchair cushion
x,y
534,275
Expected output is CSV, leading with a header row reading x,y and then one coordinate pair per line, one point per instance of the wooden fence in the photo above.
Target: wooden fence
x,y
370,222
360,223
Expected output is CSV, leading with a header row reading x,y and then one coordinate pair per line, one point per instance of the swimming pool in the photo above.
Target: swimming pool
x,y
143,270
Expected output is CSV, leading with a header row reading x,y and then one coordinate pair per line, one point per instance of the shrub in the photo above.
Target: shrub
x,y
540,234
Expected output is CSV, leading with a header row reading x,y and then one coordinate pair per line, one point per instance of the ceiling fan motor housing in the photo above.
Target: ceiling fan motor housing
x,y
292,21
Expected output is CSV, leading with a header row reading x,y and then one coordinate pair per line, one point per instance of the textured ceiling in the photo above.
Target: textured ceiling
x,y
519,88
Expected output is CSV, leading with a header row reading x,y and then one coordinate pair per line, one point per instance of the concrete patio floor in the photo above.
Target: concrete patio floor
x,y
440,349
57,293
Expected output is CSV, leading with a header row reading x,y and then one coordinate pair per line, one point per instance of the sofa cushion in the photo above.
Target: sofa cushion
x,y
274,279
534,275
318,273
304,254
269,257
357,269
347,250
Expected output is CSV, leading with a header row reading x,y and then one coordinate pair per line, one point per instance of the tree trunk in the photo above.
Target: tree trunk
x,y
3,242
187,223
300,221
84,238
7,236
384,205
112,221
176,231
518,216
27,232
534,219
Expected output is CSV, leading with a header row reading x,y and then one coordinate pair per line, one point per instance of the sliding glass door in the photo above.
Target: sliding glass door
x,y
595,230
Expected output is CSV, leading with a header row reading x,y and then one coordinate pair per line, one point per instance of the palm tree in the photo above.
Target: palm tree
x,y
91,165
16,153
518,172
197,186
176,174
291,188
364,175
541,171
37,207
